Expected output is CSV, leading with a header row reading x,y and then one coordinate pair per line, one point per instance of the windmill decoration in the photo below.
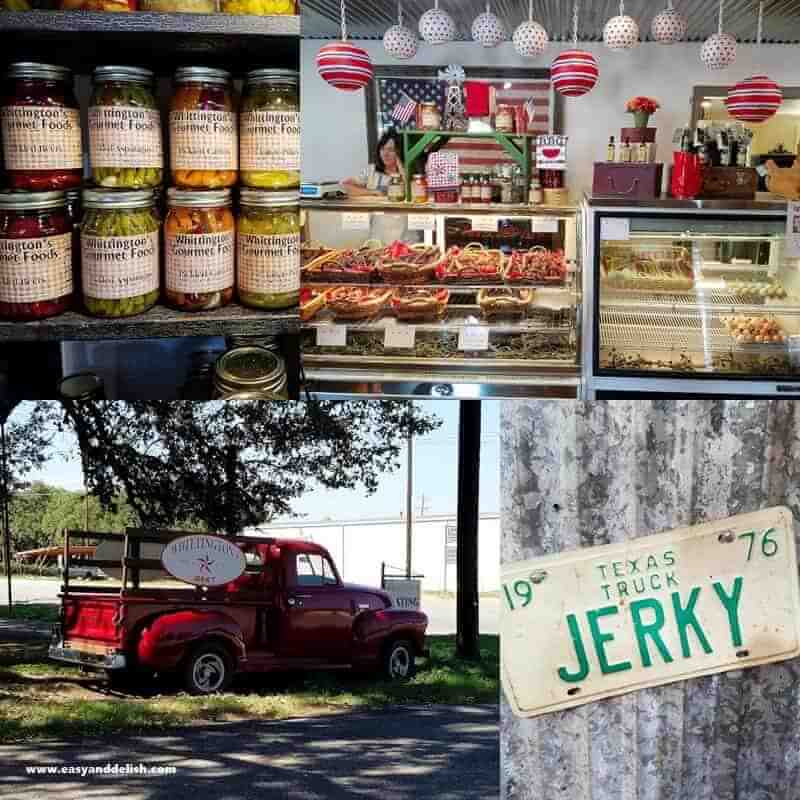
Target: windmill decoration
x,y
487,29
719,50
621,32
399,41
574,72
669,26
343,65
757,98
530,38
455,114
437,26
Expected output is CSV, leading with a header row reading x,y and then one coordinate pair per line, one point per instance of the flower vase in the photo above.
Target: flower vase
x,y
640,119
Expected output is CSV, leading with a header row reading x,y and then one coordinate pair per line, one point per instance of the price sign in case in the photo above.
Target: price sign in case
x,y
609,620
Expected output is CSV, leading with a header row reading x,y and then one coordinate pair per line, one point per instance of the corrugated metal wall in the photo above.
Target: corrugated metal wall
x,y
580,474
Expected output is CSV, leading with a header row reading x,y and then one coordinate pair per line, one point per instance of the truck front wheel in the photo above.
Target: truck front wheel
x,y
398,662
208,669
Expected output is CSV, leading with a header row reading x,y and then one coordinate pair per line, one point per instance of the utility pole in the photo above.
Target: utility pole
x,y
6,526
409,502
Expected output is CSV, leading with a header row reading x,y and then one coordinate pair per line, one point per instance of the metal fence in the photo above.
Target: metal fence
x,y
579,475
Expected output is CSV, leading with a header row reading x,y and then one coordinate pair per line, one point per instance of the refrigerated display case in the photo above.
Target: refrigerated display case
x,y
691,298
461,300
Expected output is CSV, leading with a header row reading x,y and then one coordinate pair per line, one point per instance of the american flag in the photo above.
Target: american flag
x,y
404,110
474,154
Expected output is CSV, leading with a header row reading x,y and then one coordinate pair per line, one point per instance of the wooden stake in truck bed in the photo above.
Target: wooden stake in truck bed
x,y
209,606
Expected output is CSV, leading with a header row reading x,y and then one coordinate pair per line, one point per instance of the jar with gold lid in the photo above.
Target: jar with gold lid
x,y
252,373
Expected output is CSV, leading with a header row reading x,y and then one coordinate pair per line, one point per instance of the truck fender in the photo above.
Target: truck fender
x,y
372,629
165,640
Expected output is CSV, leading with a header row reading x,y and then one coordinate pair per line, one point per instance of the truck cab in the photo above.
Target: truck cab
x,y
289,609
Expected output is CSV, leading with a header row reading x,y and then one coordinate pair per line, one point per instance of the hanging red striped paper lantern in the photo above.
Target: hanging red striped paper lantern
x,y
574,72
344,66
754,100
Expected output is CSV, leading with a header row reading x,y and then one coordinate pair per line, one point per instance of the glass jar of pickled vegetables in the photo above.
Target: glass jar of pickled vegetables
x,y
119,252
98,5
268,249
204,150
35,255
41,128
179,6
199,249
269,130
260,7
124,129
250,373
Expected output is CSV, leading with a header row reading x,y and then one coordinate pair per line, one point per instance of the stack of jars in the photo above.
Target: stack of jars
x,y
258,7
120,270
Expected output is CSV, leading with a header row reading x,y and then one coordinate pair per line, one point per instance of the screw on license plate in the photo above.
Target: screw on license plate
x,y
539,576
726,536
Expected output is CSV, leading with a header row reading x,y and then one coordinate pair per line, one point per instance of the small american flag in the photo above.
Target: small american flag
x,y
405,109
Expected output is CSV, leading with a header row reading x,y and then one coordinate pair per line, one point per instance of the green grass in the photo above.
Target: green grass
x,y
42,699
31,612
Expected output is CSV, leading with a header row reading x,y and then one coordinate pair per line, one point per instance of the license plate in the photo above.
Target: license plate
x,y
594,623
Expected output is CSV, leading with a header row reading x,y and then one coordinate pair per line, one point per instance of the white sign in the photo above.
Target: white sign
x,y
545,225
793,229
355,221
551,152
615,229
485,224
332,336
399,337
473,337
421,222
613,619
405,593
203,560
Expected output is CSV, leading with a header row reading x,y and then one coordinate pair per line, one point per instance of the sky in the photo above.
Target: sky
x,y
435,474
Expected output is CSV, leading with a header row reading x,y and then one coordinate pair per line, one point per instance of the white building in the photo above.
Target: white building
x,y
360,546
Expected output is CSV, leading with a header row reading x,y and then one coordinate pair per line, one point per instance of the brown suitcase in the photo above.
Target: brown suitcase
x,y
732,183
634,181
636,135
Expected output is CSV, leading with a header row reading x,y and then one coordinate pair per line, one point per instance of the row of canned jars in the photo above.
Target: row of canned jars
x,y
208,256
210,144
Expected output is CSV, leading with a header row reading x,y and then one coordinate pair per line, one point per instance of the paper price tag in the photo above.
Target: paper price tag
x,y
545,225
332,336
399,337
355,221
473,337
485,224
421,222
615,229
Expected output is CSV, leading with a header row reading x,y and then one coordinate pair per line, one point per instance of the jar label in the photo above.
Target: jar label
x,y
125,136
41,138
115,267
200,262
270,141
268,264
203,140
34,270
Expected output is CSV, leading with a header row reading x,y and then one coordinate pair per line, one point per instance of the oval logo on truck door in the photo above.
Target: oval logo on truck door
x,y
203,560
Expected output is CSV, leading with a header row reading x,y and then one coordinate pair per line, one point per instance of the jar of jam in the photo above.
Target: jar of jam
x,y
204,149
41,128
268,249
125,129
419,189
35,255
269,130
199,249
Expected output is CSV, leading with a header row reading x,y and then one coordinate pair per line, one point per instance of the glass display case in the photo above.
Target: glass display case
x,y
690,297
458,300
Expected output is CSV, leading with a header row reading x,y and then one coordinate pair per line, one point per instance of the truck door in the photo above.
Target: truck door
x,y
317,609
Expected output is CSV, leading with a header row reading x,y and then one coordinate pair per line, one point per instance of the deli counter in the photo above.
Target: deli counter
x,y
440,300
689,298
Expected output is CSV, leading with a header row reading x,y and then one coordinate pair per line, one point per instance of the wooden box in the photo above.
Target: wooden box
x,y
635,181
734,183
636,135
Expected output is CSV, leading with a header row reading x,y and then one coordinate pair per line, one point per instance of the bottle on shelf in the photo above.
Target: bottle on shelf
x,y
486,191
536,195
643,152
611,151
625,152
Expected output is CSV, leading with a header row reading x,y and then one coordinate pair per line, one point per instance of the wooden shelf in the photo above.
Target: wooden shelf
x,y
159,41
158,323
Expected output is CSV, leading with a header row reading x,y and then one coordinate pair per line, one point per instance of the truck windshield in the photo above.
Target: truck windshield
x,y
314,570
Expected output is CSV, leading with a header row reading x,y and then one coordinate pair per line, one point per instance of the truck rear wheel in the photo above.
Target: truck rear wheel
x,y
208,669
398,662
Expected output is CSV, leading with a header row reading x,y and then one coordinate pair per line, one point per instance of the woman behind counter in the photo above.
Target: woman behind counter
x,y
387,166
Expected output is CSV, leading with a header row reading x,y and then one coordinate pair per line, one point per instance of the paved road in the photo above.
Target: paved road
x,y
442,752
442,611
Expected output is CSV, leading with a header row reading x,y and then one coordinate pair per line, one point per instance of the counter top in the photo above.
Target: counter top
x,y
764,202
451,209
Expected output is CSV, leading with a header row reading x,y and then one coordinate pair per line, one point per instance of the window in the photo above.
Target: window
x,y
314,570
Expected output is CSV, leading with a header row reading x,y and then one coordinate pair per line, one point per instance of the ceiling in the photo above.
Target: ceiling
x,y
369,19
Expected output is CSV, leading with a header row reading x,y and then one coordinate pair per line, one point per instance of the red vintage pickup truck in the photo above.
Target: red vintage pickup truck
x,y
289,609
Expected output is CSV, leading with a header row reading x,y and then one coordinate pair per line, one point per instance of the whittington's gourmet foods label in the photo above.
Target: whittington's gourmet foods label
x,y
200,262
268,263
115,267
593,623
36,137
203,140
34,270
270,140
125,136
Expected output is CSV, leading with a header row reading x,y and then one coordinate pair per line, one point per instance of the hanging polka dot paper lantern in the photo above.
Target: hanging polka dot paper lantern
x,y
718,51
621,33
669,27
574,73
436,26
488,30
400,42
754,100
344,66
530,39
